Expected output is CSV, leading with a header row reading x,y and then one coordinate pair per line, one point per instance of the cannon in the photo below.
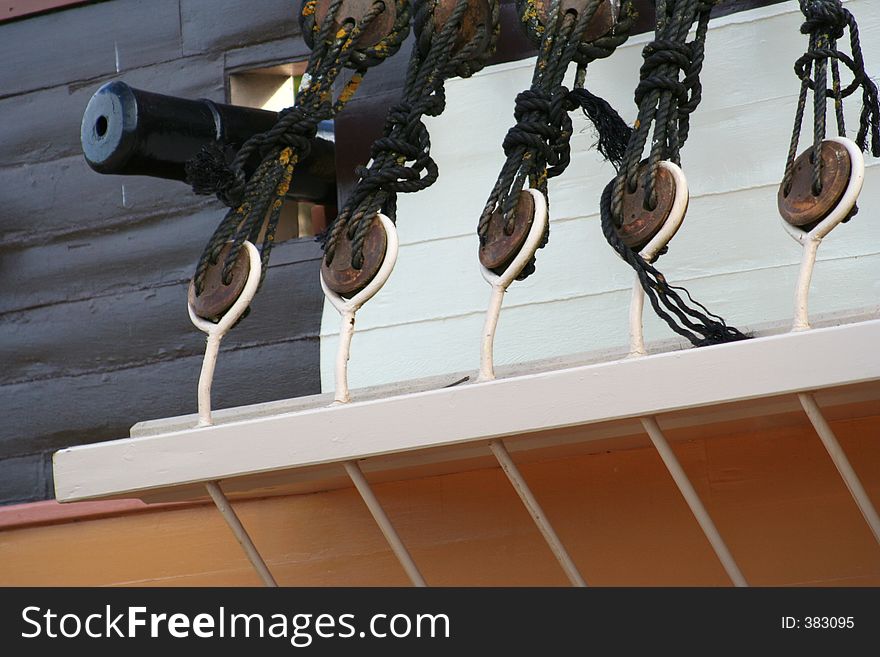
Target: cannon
x,y
131,132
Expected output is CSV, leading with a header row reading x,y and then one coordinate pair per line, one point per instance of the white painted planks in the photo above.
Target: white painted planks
x,y
731,253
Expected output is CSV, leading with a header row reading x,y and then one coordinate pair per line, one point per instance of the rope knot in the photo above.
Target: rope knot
x,y
664,61
826,22
825,17
542,123
404,150
295,128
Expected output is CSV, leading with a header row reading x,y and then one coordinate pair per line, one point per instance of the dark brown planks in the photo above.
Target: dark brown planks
x,y
87,42
126,329
154,253
94,334
44,125
25,478
216,25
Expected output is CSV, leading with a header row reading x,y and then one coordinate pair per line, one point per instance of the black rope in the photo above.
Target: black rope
x,y
255,202
826,22
668,92
401,159
699,326
538,146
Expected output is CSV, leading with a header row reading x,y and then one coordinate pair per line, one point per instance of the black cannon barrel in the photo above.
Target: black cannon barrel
x,y
130,132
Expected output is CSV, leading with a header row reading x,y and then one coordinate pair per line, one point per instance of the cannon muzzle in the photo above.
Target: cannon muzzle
x,y
130,132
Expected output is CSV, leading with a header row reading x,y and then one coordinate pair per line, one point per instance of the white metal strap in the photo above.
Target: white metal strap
x,y
347,309
215,333
500,283
812,239
649,254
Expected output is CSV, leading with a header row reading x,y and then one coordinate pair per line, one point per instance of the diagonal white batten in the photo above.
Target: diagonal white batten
x,y
841,462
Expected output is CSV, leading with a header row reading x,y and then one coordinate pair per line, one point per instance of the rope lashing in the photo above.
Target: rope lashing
x,y
401,158
826,22
255,202
668,92
537,147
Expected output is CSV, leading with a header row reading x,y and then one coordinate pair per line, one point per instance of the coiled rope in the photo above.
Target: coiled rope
x,y
255,202
401,159
538,146
668,92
